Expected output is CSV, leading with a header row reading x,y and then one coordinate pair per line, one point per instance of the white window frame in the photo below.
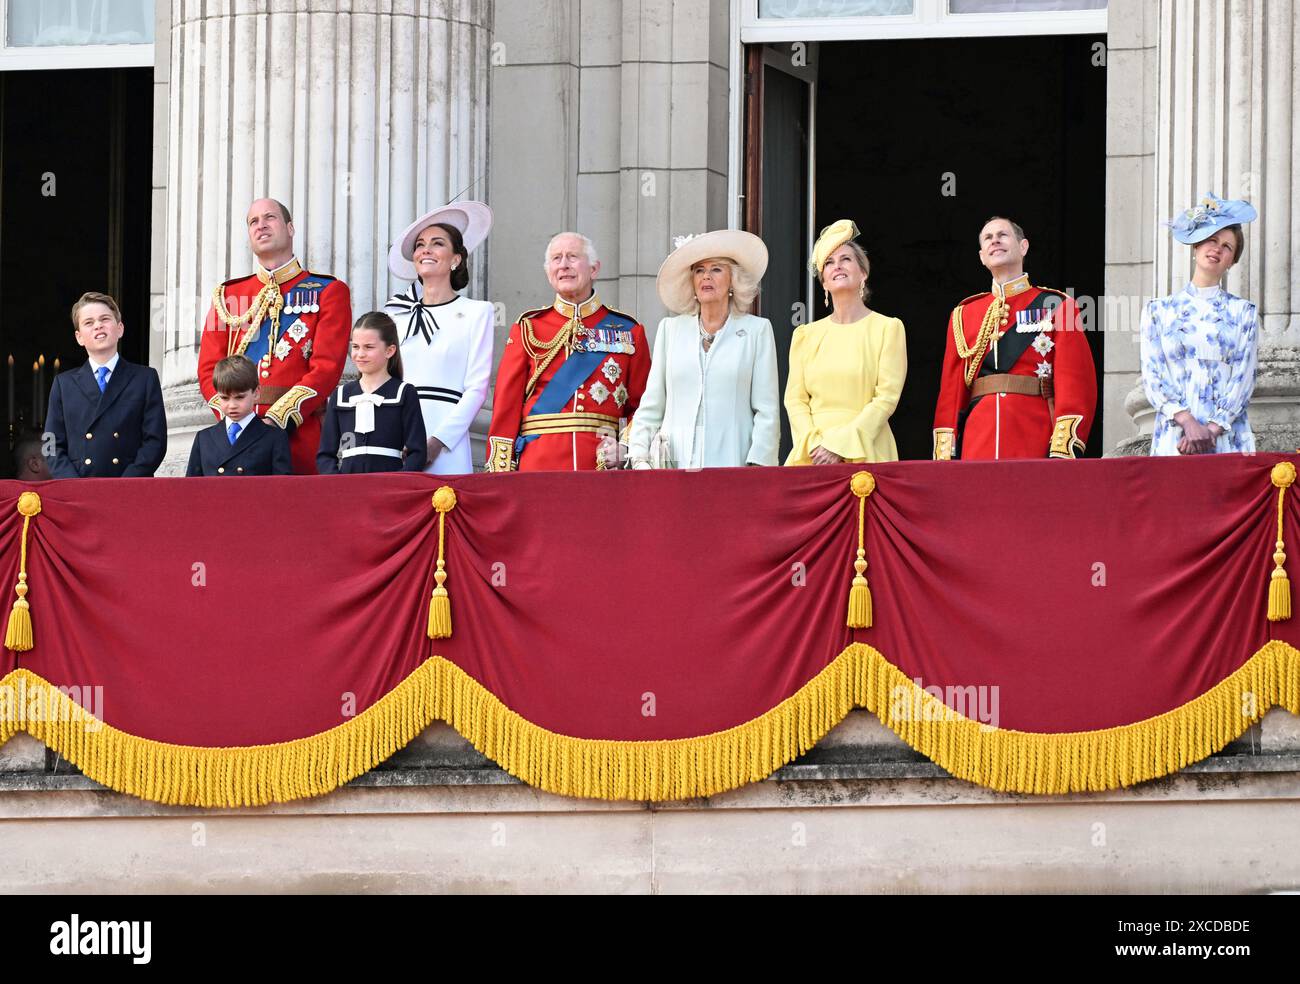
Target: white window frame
x,y
36,57
929,19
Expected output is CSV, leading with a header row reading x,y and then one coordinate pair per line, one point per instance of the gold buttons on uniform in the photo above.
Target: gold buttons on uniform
x,y
239,471
90,437
115,461
221,471
115,433
87,461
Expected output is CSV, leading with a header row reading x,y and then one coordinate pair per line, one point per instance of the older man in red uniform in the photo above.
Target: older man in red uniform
x,y
571,375
1018,376
293,324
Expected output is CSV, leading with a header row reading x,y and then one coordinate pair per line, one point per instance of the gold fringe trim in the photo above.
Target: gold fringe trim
x,y
681,768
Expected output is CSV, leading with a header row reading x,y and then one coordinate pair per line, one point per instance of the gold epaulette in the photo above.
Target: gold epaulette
x,y
623,314
535,312
1052,290
973,297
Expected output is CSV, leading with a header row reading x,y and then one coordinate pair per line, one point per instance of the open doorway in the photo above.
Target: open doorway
x,y
919,141
75,216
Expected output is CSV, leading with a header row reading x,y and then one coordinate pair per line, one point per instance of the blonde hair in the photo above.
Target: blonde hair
x,y
744,288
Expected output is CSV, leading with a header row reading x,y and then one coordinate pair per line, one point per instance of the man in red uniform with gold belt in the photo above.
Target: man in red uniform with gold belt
x,y
293,324
1018,376
571,375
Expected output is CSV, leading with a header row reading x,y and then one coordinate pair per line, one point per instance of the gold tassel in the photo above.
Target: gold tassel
x,y
862,484
444,500
18,634
1279,586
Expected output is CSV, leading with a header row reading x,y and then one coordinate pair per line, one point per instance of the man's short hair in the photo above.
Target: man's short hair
x,y
94,297
1015,226
284,209
234,374
588,247
29,443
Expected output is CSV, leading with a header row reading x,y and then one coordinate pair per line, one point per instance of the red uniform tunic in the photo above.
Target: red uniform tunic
x,y
1035,338
300,348
568,435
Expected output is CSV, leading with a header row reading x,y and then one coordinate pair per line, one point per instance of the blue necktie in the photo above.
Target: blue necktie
x,y
233,431
101,377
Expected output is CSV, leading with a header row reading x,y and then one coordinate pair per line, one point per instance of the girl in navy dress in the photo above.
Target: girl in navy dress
x,y
374,423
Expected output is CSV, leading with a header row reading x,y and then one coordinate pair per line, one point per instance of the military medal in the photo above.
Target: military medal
x,y
620,395
282,349
297,331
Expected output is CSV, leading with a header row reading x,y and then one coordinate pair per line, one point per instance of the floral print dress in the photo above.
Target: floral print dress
x,y
1198,354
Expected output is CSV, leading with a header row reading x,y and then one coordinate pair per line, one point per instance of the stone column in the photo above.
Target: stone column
x,y
358,114
673,140
609,118
1227,124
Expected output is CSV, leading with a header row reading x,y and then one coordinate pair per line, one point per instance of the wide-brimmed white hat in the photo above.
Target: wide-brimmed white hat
x,y
473,220
674,282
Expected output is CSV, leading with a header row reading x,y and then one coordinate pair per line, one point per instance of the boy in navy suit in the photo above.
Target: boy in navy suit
x,y
106,417
241,443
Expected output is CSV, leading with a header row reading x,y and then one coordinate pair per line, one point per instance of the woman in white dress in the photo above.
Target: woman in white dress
x,y
711,400
446,338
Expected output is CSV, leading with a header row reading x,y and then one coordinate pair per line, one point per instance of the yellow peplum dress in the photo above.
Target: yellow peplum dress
x,y
845,381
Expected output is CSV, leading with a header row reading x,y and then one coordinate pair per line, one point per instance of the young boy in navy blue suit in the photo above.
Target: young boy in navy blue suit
x,y
241,443
106,417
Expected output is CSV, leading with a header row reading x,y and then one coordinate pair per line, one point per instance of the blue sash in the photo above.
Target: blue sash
x,y
612,334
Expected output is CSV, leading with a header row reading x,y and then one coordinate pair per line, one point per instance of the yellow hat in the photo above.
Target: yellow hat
x,y
832,238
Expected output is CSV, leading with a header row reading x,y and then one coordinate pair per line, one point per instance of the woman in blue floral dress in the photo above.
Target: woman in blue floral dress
x,y
1198,345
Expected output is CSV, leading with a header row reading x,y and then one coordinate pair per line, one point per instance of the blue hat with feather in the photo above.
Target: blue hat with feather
x,y
1208,216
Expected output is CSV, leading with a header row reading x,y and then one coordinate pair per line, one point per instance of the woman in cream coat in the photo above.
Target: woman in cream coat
x,y
846,370
711,400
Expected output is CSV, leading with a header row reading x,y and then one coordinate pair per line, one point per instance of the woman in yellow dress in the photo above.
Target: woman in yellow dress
x,y
846,370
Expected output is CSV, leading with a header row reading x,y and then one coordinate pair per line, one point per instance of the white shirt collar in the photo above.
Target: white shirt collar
x,y
111,363
241,424
1207,293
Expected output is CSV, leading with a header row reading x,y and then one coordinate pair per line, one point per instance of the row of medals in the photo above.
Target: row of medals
x,y
288,309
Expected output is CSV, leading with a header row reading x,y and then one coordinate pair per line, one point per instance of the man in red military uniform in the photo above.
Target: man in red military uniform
x,y
571,375
293,324
1018,376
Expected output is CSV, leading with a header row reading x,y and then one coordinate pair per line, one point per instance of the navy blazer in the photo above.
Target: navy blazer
x,y
120,433
260,449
